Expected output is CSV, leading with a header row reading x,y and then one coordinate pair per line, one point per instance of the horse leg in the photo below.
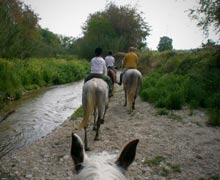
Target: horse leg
x,y
133,103
125,104
135,96
103,118
95,115
86,140
97,129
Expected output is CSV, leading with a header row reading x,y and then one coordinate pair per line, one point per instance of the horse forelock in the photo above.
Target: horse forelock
x,y
99,167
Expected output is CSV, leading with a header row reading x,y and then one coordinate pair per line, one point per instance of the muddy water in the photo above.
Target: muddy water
x,y
37,115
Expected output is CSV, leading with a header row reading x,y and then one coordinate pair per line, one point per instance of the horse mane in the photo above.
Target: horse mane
x,y
100,166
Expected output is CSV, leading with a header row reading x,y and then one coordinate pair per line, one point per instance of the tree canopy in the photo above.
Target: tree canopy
x,y
22,37
165,44
207,14
18,29
115,28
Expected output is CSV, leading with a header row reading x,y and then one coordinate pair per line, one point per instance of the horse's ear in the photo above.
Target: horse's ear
x,y
127,155
77,151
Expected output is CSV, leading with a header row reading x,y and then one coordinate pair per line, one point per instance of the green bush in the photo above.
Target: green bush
x,y
10,83
165,90
185,77
214,117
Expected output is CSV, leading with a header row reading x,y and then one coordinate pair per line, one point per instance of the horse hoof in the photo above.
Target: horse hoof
x,y
110,95
87,149
96,139
130,111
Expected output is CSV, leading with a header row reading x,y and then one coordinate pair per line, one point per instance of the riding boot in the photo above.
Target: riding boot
x,y
120,82
110,94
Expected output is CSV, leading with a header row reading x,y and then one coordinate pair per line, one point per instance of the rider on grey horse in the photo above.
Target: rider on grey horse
x,y
129,62
99,70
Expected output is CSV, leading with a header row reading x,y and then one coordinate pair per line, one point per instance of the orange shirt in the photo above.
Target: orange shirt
x,y
131,60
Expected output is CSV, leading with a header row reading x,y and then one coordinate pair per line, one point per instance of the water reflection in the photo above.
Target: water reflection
x,y
37,116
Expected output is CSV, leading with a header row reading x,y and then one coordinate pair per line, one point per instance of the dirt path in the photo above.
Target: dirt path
x,y
176,146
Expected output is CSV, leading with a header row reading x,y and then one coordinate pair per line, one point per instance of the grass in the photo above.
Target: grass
x,y
162,167
78,113
175,167
163,111
175,117
155,161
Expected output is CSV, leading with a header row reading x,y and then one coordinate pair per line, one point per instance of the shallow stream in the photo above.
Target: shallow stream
x,y
37,114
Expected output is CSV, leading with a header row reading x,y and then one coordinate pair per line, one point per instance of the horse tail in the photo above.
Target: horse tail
x,y
88,103
139,83
136,82
131,93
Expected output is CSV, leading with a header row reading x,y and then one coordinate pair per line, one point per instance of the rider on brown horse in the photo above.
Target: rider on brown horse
x,y
110,61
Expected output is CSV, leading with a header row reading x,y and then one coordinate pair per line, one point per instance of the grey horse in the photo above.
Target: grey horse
x,y
132,81
94,101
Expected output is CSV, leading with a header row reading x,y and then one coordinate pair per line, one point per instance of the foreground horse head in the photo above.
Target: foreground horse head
x,y
99,167
132,81
94,99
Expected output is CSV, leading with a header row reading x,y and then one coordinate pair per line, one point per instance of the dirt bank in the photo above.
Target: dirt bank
x,y
175,146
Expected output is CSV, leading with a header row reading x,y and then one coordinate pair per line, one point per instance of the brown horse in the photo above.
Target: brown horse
x,y
111,73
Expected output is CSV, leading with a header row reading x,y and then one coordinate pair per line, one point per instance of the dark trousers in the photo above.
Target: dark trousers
x,y
101,76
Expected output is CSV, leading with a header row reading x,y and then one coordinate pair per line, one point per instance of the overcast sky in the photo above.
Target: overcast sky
x,y
166,18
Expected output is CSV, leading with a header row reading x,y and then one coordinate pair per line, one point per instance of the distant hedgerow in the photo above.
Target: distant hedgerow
x,y
18,75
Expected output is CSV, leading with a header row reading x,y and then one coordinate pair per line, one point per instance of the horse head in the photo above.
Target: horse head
x,y
99,166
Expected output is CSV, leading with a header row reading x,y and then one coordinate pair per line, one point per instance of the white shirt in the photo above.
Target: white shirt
x,y
110,61
98,65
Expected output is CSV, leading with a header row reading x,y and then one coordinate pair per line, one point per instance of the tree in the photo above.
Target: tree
x,y
128,22
210,43
22,37
165,44
18,29
49,44
115,28
207,14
